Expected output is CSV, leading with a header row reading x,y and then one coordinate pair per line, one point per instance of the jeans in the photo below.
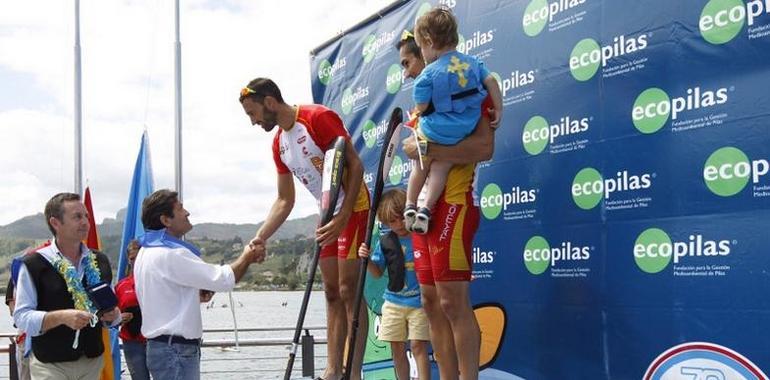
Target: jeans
x,y
173,361
136,359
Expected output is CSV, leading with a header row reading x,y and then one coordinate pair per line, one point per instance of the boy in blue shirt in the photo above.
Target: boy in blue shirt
x,y
448,93
402,314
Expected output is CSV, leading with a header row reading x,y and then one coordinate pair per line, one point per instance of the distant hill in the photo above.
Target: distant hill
x,y
33,227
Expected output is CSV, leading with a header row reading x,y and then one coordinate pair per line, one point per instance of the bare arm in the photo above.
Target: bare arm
x,y
363,252
351,182
490,83
478,146
280,210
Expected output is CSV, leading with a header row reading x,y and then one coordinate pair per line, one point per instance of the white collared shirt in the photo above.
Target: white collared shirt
x,y
168,283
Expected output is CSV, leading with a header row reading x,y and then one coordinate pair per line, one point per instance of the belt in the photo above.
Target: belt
x,y
463,94
175,339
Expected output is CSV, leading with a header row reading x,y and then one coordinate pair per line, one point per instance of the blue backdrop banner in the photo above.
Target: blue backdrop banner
x,y
626,209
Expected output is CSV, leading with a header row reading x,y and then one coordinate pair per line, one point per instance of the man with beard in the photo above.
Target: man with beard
x,y
305,133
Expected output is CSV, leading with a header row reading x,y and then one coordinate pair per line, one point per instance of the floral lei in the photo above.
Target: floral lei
x,y
74,285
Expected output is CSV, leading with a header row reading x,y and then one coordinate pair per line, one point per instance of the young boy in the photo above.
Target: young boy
x,y
448,96
402,314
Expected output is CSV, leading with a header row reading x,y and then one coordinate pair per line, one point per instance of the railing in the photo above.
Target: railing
x,y
307,344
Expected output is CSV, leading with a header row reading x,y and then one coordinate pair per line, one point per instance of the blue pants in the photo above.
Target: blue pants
x,y
136,360
173,361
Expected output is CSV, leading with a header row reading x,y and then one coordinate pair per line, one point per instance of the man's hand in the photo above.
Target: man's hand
x,y
126,317
110,315
363,251
206,295
329,233
75,319
255,251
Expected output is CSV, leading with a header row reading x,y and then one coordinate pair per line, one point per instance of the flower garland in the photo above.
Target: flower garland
x,y
74,285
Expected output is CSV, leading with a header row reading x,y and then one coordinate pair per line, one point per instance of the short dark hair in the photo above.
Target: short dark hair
x,y
407,39
55,207
260,88
157,204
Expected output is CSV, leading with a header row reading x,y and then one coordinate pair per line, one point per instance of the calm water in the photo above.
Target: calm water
x,y
252,309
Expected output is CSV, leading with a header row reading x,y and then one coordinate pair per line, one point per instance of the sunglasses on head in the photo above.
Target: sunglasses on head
x,y
405,35
246,92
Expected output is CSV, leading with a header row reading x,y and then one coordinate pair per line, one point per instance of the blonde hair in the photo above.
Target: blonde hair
x,y
439,25
391,205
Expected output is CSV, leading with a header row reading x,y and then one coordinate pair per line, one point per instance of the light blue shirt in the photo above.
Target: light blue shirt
x,y
452,73
26,316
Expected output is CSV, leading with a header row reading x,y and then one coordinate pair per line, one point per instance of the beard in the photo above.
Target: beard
x,y
270,120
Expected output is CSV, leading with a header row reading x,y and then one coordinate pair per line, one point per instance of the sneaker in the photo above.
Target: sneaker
x,y
410,212
421,221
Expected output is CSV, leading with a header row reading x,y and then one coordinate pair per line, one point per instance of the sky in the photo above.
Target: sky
x,y
128,86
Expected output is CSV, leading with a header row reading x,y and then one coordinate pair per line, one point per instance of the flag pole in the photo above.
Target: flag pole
x,y
78,107
177,104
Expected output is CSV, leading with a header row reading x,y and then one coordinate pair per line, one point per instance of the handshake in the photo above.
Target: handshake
x,y
255,251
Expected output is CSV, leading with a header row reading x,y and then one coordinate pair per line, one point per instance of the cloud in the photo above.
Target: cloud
x,y
127,65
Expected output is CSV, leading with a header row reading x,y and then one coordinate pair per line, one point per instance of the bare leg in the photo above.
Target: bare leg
x,y
439,170
440,334
400,362
456,303
420,352
336,319
416,181
348,270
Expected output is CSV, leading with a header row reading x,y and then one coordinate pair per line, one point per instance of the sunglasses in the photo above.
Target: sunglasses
x,y
246,92
405,35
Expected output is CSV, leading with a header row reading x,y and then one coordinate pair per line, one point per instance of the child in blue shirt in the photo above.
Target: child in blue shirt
x,y
448,93
402,314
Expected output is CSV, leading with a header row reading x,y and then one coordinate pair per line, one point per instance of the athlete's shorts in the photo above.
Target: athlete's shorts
x,y
444,253
350,238
400,323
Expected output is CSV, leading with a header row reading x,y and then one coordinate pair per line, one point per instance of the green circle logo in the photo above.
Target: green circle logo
x,y
585,59
535,135
396,172
491,201
653,250
722,20
727,171
535,17
369,49
651,110
370,133
537,255
587,188
325,72
347,101
393,80
423,9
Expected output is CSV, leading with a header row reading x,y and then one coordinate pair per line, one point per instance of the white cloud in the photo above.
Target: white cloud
x,y
127,50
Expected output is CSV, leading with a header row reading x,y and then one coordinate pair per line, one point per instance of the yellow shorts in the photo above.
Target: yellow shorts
x,y
399,323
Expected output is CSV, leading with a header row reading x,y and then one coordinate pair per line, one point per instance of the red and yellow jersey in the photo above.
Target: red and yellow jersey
x,y
300,150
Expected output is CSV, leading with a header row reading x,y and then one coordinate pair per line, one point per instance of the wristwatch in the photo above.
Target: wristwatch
x,y
422,146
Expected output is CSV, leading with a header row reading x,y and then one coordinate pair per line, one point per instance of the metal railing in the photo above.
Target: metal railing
x,y
307,344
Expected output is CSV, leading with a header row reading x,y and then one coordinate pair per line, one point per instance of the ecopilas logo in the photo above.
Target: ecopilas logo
x,y
372,132
398,170
653,106
376,42
728,170
477,39
537,134
394,78
327,70
539,256
587,56
654,249
350,98
540,12
589,188
493,201
722,20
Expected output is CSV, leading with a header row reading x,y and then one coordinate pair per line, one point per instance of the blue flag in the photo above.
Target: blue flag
x,y
141,187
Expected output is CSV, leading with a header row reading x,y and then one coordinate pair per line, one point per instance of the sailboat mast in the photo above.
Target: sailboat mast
x,y
78,107
177,104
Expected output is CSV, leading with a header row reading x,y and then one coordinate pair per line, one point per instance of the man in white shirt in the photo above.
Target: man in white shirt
x,y
169,276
